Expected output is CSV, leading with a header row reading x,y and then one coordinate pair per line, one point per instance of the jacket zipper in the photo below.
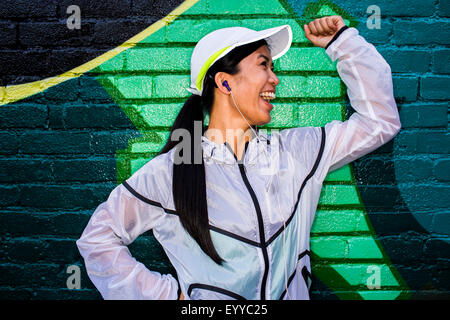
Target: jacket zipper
x,y
262,237
261,230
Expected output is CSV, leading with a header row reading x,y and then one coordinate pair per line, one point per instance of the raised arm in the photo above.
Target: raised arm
x,y
369,87
115,224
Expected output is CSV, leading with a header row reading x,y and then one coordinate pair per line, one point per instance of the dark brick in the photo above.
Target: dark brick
x,y
8,33
85,170
414,170
56,116
65,59
441,224
104,29
421,32
435,87
64,197
109,142
373,171
403,251
66,294
424,115
411,60
393,223
442,170
442,274
65,91
405,89
414,142
380,198
25,170
432,197
28,9
9,195
11,293
17,223
153,8
440,61
12,60
417,275
436,248
9,143
30,275
388,8
444,8
97,9
55,142
376,36
23,116
96,116
54,34
92,91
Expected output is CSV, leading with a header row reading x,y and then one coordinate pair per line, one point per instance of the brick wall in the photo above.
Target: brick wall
x,y
65,148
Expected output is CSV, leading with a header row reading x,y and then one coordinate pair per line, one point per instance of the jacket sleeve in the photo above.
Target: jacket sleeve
x,y
103,244
368,79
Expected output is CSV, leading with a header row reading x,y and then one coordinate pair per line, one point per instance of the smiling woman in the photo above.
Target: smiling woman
x,y
236,224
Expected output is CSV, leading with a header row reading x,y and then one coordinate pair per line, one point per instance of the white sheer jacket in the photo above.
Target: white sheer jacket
x,y
260,219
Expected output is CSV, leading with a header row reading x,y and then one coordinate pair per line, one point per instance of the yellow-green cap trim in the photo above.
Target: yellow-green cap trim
x,y
206,66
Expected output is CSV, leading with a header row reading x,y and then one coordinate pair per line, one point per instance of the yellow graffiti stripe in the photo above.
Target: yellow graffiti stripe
x,y
14,93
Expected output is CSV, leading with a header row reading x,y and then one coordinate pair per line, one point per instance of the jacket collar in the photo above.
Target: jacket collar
x,y
223,153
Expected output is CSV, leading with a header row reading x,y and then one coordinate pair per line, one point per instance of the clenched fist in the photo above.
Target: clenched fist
x,y
321,30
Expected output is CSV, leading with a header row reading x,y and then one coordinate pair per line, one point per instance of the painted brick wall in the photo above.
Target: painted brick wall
x,y
65,148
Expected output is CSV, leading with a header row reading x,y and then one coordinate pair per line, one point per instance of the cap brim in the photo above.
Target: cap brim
x,y
279,39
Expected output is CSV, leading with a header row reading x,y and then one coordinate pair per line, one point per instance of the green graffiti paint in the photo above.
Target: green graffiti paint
x,y
148,81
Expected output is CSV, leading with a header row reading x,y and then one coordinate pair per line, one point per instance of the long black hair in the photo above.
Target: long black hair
x,y
189,185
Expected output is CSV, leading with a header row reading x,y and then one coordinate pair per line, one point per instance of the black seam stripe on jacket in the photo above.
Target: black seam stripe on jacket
x,y
262,236
336,36
216,229
311,173
291,277
228,233
179,289
216,289
261,230
146,200
235,236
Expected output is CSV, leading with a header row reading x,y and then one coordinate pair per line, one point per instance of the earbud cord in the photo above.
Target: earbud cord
x,y
278,200
254,132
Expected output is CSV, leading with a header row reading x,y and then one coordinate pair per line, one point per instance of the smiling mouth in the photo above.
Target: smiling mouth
x,y
267,96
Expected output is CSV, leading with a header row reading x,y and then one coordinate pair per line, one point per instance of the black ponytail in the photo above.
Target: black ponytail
x,y
189,183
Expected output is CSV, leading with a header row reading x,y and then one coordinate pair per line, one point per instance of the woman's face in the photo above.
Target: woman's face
x,y
254,86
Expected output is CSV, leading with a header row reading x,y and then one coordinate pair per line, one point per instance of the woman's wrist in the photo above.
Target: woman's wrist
x,y
336,36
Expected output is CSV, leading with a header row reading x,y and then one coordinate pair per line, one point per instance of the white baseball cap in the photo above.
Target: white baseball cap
x,y
218,43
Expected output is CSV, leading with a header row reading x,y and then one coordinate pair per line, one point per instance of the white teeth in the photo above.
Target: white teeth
x,y
267,95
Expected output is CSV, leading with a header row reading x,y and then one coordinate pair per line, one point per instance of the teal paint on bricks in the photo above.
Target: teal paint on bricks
x,y
61,150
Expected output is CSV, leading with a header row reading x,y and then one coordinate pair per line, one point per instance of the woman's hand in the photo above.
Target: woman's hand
x,y
181,296
321,30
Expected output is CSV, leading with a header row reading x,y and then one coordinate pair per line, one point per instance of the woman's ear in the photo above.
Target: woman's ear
x,y
219,78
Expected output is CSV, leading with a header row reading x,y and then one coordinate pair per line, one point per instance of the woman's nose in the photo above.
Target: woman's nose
x,y
274,79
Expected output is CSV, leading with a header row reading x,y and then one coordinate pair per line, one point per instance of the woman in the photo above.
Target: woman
x,y
232,206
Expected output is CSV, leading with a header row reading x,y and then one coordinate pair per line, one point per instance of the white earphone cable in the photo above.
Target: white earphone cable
x,y
278,199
